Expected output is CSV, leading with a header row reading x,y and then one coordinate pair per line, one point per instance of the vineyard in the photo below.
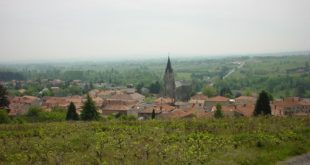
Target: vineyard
x,y
262,140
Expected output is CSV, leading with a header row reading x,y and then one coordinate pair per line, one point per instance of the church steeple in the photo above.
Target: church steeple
x,y
169,83
168,67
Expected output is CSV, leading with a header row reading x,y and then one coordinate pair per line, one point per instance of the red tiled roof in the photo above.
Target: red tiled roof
x,y
245,98
121,96
162,100
218,99
117,107
199,97
246,109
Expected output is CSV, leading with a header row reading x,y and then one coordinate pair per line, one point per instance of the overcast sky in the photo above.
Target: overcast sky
x,y
115,29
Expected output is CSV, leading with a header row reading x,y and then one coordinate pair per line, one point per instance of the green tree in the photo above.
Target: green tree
x,y
218,112
153,114
4,102
71,113
4,118
209,91
34,111
89,110
226,92
139,87
262,106
247,92
155,87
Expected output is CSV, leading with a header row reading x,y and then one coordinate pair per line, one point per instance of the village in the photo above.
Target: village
x,y
174,101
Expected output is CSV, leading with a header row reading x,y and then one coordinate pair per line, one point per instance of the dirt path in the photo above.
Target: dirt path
x,y
297,160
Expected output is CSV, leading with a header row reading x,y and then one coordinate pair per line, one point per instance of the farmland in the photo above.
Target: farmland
x,y
261,140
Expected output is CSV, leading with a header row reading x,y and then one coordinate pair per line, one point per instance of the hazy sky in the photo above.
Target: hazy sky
x,y
109,29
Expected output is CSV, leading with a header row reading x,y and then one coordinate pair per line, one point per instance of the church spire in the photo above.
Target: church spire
x,y
168,67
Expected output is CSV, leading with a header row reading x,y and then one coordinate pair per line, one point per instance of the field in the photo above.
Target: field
x,y
262,140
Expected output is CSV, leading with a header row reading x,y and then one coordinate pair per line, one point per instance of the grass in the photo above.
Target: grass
x,y
263,140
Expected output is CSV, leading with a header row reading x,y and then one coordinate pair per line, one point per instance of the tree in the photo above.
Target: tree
x,y
34,111
71,113
89,110
4,118
262,106
226,92
209,91
139,87
4,102
155,87
153,114
218,112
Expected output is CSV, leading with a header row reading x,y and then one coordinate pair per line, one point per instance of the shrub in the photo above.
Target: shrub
x,y
127,117
51,116
262,106
71,113
218,112
89,111
34,111
4,117
36,114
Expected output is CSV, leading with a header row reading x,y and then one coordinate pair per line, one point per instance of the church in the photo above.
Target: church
x,y
177,90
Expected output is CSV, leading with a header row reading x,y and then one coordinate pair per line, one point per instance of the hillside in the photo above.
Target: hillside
x,y
263,140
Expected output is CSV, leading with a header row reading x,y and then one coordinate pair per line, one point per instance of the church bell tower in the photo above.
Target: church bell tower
x,y
169,83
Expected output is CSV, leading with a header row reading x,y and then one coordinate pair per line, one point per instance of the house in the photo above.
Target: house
x,y
104,94
63,102
20,105
57,82
212,101
198,101
137,96
246,110
180,113
145,110
164,100
291,106
117,106
77,101
245,100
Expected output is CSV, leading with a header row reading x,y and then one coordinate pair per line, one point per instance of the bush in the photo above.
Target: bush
x,y
36,114
218,112
4,117
34,111
128,117
52,116
71,112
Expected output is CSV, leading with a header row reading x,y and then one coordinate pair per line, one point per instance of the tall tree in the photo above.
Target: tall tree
x,y
153,114
4,102
89,110
262,106
71,113
209,91
218,112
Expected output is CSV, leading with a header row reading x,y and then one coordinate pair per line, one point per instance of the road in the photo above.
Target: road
x,y
233,70
297,160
